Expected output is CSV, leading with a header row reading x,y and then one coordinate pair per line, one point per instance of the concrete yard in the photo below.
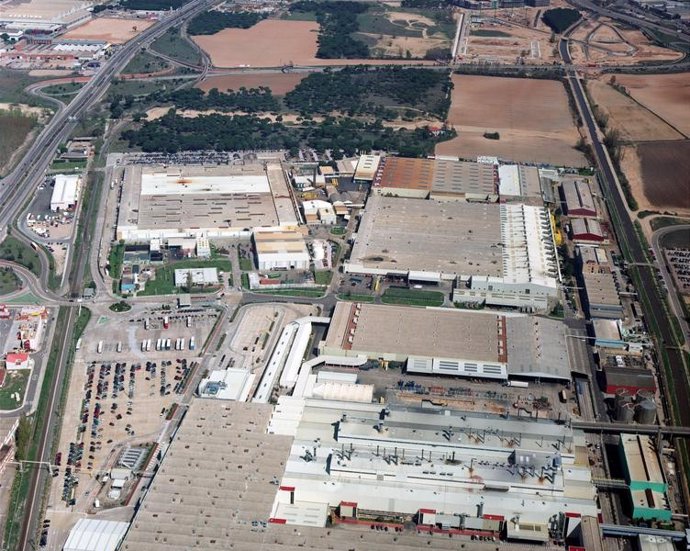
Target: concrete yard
x,y
107,419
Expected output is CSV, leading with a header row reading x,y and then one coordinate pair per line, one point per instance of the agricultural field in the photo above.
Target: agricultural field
x,y
605,42
270,43
634,122
279,83
650,112
666,95
658,174
115,31
535,126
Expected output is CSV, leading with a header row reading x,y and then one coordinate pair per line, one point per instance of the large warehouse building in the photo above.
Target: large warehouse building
x,y
441,179
501,254
578,199
442,468
192,201
451,342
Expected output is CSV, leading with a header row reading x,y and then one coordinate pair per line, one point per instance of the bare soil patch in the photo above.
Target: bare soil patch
x,y
633,121
273,43
666,95
398,46
279,83
531,44
665,167
534,126
113,30
604,42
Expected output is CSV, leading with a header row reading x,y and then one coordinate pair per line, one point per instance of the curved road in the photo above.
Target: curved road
x,y
676,305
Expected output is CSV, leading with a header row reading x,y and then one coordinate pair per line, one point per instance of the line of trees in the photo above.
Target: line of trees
x,y
152,5
251,100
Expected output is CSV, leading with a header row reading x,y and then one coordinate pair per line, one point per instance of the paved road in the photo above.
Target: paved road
x,y
676,305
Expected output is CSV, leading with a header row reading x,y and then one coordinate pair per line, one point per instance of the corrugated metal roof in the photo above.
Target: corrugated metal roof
x,y
95,535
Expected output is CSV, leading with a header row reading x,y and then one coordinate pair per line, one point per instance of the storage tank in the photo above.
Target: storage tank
x,y
645,412
624,407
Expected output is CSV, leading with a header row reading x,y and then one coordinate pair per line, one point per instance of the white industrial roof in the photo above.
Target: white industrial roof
x,y
95,535
509,178
65,189
173,183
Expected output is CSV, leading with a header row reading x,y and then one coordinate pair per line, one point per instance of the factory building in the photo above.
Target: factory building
x,y
281,250
447,471
643,473
65,192
366,168
440,179
501,255
519,182
95,535
602,298
451,342
629,379
587,230
190,201
197,276
319,212
578,199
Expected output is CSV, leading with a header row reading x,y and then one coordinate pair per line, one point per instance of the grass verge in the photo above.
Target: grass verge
x,y
412,297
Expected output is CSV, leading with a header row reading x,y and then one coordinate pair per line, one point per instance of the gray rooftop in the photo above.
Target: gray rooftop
x,y
400,234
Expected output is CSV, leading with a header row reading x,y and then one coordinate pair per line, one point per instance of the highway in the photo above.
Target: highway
x,y
15,191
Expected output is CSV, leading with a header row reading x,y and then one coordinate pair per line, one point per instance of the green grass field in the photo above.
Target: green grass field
x,y
145,63
15,382
16,251
246,264
64,92
140,87
173,45
9,282
412,297
115,258
14,129
323,277
164,284
352,297
313,293
338,230
67,166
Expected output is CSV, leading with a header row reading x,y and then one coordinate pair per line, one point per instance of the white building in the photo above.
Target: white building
x,y
65,192
281,250
200,276
319,212
95,535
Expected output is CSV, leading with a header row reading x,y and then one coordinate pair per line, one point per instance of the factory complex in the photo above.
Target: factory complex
x,y
163,202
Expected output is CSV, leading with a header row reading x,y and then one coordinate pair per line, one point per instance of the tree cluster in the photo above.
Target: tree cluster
x,y
366,91
152,5
211,22
337,22
560,19
251,100
424,4
172,133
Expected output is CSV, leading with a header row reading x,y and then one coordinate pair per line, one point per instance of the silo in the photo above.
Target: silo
x,y
625,412
645,412
624,408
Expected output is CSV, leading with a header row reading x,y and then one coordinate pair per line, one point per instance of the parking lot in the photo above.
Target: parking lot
x,y
123,384
679,262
